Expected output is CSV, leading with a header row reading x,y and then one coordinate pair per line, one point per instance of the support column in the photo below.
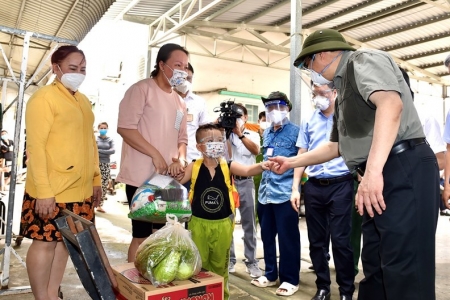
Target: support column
x,y
296,45
12,187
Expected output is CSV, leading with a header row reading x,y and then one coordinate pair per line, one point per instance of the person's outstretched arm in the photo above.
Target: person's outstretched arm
x,y
321,154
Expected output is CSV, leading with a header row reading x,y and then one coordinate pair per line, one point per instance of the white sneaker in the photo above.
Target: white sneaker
x,y
231,268
254,270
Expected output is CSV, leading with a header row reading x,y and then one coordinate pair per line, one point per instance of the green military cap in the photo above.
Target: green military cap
x,y
320,41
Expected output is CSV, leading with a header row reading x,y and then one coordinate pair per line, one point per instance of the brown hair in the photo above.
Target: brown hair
x,y
164,54
102,123
62,52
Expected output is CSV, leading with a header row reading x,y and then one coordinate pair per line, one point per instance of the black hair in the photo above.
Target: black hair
x,y
190,68
261,115
205,127
241,106
164,54
330,85
447,61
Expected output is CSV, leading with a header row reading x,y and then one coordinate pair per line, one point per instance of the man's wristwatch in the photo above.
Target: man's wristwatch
x,y
241,137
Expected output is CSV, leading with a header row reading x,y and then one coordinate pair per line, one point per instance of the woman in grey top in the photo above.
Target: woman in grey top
x,y
105,145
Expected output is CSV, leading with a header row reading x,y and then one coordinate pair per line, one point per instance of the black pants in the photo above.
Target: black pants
x,y
328,213
398,252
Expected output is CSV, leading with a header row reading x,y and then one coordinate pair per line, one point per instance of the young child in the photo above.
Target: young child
x,y
212,219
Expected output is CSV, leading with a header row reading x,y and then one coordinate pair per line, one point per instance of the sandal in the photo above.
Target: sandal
x,y
286,289
263,282
100,209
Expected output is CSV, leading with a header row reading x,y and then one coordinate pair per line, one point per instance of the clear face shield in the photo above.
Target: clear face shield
x,y
214,144
277,112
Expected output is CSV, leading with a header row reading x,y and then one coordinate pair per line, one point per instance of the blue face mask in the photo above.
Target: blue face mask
x,y
103,131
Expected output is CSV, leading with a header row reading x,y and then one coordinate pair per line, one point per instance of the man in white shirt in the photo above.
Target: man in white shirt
x,y
197,113
245,146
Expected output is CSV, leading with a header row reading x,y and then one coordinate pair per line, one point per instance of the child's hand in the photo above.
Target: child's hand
x,y
266,165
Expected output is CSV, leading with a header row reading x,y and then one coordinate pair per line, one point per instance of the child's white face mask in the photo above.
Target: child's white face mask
x,y
214,149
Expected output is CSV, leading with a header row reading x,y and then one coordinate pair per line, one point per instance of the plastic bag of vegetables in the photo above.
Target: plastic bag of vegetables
x,y
158,196
168,254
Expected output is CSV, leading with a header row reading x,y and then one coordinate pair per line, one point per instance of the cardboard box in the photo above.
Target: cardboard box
x,y
132,286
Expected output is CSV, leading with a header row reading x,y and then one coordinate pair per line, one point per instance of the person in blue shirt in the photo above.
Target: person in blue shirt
x,y
275,213
328,199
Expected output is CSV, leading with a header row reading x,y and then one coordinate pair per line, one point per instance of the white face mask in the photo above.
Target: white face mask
x,y
184,87
277,116
178,77
72,81
318,78
240,122
214,149
263,125
321,102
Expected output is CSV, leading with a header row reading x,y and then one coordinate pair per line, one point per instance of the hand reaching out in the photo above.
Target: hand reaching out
x,y
266,165
280,164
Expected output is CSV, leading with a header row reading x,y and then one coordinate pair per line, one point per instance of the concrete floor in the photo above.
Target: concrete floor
x,y
114,229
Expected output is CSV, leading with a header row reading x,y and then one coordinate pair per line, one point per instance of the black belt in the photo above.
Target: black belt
x,y
328,181
398,148
406,145
242,177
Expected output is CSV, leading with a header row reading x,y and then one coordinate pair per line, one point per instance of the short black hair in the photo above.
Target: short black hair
x,y
190,68
330,85
447,61
241,106
261,115
205,127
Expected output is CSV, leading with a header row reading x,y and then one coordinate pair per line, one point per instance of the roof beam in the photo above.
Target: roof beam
x,y
405,64
224,10
431,65
342,13
265,11
241,26
182,21
427,53
386,12
305,12
410,26
221,25
435,4
233,39
126,9
46,53
11,40
417,41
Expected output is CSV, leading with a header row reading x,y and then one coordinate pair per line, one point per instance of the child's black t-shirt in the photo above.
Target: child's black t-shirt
x,y
211,199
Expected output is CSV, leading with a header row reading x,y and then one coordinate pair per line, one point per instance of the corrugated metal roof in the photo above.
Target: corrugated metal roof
x,y
412,30
70,20
415,31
